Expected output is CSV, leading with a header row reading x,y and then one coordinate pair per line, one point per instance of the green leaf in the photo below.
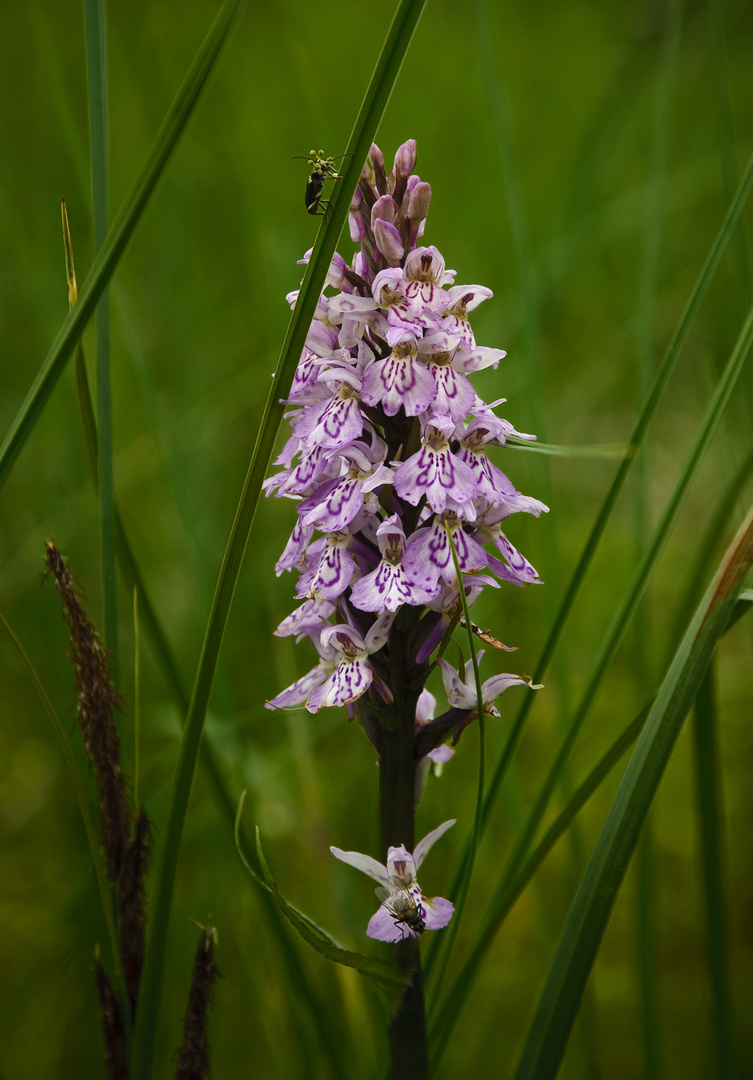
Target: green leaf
x,y
710,804
597,450
96,57
560,999
607,652
387,979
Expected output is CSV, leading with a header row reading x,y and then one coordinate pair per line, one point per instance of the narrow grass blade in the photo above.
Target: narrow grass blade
x,y
647,970
96,65
448,940
297,976
560,999
118,237
636,588
377,95
657,387
597,450
642,645
710,804
723,100
443,1021
386,978
612,639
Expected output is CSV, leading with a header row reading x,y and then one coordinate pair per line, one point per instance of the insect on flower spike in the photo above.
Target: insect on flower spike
x,y
322,169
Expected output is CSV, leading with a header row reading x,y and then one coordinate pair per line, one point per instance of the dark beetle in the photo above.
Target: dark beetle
x,y
322,169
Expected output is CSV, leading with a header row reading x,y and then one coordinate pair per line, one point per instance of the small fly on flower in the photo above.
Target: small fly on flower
x,y
402,906
322,169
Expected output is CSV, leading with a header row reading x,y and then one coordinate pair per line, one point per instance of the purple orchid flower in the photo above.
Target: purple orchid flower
x,y
398,880
391,465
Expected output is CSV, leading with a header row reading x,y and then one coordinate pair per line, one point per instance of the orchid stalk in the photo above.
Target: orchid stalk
x,y
388,461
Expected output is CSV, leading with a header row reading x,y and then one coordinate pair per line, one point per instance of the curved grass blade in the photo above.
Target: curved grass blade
x,y
297,976
596,450
443,1022
560,999
710,811
660,380
662,375
458,992
618,627
378,92
118,237
96,66
386,978
462,896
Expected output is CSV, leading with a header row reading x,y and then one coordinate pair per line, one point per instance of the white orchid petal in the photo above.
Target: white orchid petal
x,y
422,848
364,863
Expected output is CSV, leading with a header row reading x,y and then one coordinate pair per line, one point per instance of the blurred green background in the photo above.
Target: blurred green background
x,y
198,316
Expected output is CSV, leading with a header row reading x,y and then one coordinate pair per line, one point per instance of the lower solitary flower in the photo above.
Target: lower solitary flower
x,y
404,910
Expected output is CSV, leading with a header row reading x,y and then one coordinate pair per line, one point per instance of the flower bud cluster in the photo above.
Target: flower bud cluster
x,y
389,458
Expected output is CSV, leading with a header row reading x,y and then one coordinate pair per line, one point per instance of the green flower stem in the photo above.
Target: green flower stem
x,y
407,1028
406,1031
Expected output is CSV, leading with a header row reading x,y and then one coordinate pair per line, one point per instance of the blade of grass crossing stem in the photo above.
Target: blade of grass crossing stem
x,y
466,881
298,977
118,237
635,590
96,67
665,369
364,131
558,1005
458,991
710,804
530,302
442,1022
605,512
727,145
641,638
105,893
662,375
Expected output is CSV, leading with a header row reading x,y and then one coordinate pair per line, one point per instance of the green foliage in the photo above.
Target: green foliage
x,y
585,162
385,977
